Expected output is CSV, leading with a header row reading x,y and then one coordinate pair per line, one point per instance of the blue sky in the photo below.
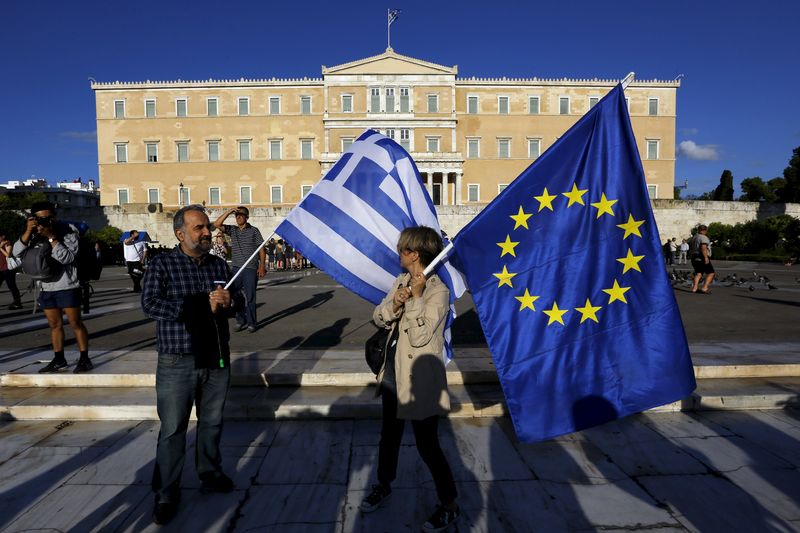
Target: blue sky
x,y
738,105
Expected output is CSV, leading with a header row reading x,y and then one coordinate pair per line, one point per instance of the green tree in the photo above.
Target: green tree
x,y
724,190
109,235
755,190
676,193
21,201
790,193
12,224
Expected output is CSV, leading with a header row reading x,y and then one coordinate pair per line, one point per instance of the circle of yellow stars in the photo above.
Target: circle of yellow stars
x,y
575,197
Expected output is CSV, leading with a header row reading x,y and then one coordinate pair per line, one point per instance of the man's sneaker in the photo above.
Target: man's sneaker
x,y
441,519
84,365
375,499
164,512
216,482
239,327
15,305
251,329
53,366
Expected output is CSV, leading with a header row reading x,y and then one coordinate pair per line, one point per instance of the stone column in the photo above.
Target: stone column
x,y
429,183
444,188
457,200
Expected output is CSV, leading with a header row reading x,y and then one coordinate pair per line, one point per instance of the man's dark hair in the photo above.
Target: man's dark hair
x,y
177,220
245,210
133,231
43,206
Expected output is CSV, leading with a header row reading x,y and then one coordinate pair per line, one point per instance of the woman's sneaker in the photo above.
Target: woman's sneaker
x,y
441,519
375,499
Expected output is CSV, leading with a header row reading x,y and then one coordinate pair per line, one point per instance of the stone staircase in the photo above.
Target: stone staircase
x,y
337,384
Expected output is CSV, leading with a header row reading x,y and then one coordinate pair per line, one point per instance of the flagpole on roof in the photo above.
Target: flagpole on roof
x,y
627,80
388,29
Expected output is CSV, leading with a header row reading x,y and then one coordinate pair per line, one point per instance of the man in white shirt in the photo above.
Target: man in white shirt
x,y
135,253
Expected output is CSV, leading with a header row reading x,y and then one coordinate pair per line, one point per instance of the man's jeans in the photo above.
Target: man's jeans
x,y
178,385
246,282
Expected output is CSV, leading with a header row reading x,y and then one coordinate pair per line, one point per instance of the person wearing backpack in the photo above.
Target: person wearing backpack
x,y
8,271
56,268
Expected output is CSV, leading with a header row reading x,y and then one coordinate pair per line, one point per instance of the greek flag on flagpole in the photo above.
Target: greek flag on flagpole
x,y
349,224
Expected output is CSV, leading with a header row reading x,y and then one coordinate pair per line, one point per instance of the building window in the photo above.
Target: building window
x,y
473,192
534,148
389,99
404,100
502,105
433,103
150,108
652,149
244,150
244,106
304,190
213,150
473,148
213,196
652,107
274,105
122,196
119,108
276,194
593,101
563,105
347,103
275,149
152,152
153,196
405,139
472,105
306,149
433,144
180,107
212,107
347,142
305,105
533,105
184,198
183,151
652,191
245,196
390,133
501,187
122,152
375,100
503,148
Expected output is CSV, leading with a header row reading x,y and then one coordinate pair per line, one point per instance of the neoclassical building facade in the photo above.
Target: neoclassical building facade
x,y
265,142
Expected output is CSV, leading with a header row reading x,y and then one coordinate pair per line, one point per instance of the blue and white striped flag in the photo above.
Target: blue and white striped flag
x,y
349,224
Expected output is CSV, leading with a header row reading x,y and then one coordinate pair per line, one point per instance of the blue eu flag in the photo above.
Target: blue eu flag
x,y
566,271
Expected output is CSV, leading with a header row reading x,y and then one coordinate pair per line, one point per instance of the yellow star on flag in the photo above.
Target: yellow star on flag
x,y
521,218
546,200
588,311
631,227
508,246
526,301
616,293
555,314
575,195
630,261
504,277
604,206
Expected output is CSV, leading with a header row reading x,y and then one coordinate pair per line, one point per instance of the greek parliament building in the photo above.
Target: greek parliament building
x,y
265,142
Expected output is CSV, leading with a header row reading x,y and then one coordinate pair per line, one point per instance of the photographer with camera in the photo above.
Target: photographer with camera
x,y
135,254
61,293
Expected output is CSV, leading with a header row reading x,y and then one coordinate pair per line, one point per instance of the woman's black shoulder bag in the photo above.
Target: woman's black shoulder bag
x,y
375,349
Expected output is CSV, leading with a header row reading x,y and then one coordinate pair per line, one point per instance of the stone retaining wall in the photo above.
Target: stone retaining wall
x,y
675,218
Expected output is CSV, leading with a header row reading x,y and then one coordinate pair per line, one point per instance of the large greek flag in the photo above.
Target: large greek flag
x,y
349,224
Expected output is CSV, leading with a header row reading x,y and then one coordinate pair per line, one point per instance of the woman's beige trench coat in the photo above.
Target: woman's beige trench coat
x,y
421,378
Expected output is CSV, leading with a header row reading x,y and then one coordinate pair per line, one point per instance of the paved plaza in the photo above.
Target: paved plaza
x,y
302,430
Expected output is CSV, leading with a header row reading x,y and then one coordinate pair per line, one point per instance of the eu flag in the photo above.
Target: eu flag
x,y
566,271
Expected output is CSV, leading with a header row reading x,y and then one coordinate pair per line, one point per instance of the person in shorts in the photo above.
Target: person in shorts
x,y
61,295
700,251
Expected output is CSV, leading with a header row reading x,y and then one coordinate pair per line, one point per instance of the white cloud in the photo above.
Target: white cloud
x,y
698,152
84,136
690,131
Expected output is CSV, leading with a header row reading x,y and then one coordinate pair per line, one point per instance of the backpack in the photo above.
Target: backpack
x,y
38,262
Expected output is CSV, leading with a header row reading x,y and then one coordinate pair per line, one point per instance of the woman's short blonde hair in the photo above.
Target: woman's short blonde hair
x,y
427,242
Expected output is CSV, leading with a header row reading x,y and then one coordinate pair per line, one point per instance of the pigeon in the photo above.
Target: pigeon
x,y
771,286
751,288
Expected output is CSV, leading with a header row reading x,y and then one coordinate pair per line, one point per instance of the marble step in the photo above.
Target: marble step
x,y
346,368
259,403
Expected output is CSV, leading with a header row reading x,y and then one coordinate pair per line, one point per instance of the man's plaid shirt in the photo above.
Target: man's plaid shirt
x,y
175,294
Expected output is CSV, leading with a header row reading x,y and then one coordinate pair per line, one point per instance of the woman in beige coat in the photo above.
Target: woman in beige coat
x,y
412,382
